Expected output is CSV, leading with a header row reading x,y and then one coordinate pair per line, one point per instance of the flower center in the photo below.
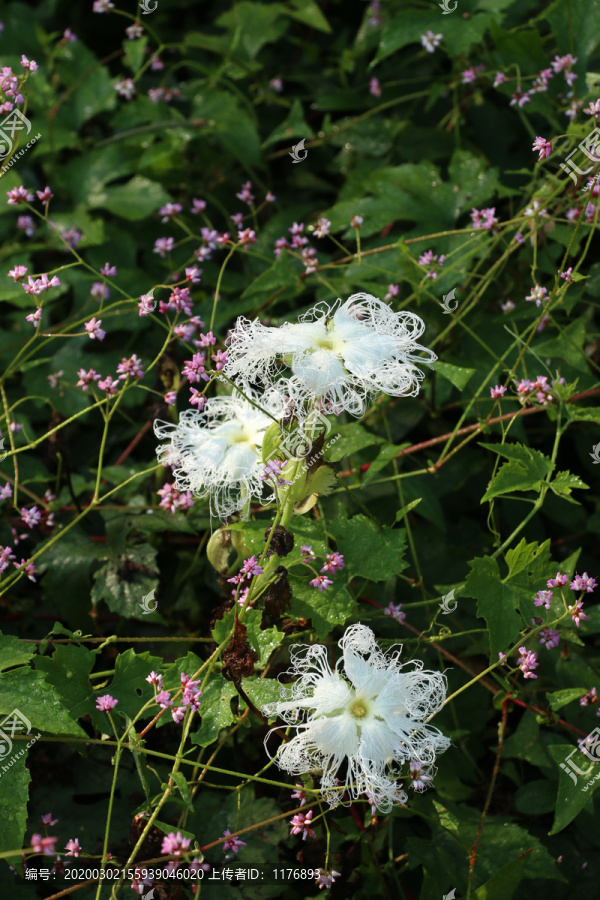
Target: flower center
x,y
358,709
325,343
242,437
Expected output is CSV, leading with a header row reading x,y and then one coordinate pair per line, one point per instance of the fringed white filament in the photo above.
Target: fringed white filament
x,y
346,354
216,452
369,712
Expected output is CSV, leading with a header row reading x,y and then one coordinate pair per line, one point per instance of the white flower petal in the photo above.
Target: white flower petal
x,y
372,723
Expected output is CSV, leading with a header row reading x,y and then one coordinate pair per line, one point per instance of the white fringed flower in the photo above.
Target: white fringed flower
x,y
344,354
216,452
372,717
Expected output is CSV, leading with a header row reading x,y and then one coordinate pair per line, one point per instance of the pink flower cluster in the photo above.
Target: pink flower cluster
x,y
430,259
172,499
334,562
190,695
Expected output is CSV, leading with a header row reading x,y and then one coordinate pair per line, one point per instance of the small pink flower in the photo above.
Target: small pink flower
x,y
577,613
543,598
334,562
375,87
543,146
87,378
322,227
125,88
48,821
30,517
93,329
583,583
170,398
559,581
430,41
590,697
163,245
155,679
593,109
198,206
197,398
17,273
251,567
497,392
130,368
43,845
46,195
29,64
35,318
395,611
146,304
29,568
301,824
18,195
169,210
106,703
232,843
163,698
111,387
528,662
174,843
537,294
321,582
108,271
356,221
72,847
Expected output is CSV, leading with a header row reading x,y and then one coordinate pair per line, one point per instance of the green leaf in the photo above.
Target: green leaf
x,y
262,691
525,470
575,788
536,797
530,743
134,53
254,25
308,12
459,35
14,652
13,801
563,484
584,414
29,692
181,782
123,585
568,346
386,454
504,883
371,551
522,556
215,710
456,375
352,438
68,671
325,609
558,699
578,33
234,128
282,274
135,200
496,603
293,126
406,509
129,685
